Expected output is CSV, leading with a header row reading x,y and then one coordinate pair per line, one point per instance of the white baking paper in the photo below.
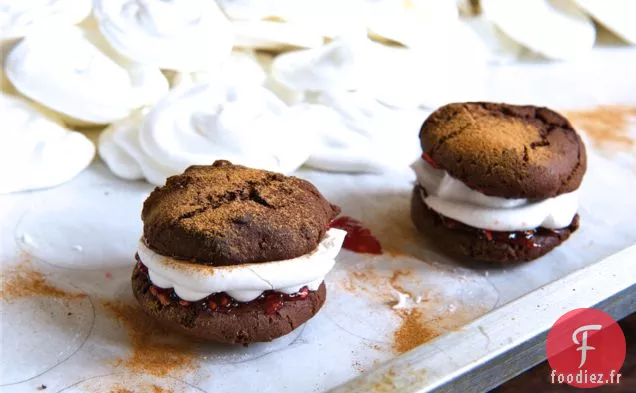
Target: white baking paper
x,y
81,236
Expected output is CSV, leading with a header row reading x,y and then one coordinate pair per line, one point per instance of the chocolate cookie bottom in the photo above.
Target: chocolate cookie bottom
x,y
226,321
460,239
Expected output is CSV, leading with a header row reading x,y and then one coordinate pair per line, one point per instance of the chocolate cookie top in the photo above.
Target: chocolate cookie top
x,y
509,151
227,214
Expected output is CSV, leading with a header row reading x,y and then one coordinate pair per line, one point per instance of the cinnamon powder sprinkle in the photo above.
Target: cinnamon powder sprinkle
x,y
22,281
155,350
394,281
606,124
412,332
145,389
419,323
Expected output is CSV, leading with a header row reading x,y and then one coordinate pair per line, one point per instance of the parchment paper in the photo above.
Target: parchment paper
x,y
89,336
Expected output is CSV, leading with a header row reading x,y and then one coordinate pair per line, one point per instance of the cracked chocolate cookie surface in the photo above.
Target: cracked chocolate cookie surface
x,y
503,150
226,214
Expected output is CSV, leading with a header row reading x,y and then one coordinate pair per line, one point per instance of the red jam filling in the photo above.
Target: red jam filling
x,y
270,301
429,160
520,238
358,238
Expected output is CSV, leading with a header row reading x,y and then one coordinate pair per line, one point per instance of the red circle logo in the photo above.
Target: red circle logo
x,y
585,348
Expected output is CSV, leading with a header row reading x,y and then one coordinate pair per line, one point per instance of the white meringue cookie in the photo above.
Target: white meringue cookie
x,y
198,124
557,29
242,67
408,22
343,63
467,7
409,78
21,17
5,47
398,77
183,35
356,133
118,147
617,15
329,18
274,35
288,95
72,71
35,150
5,86
280,24
501,49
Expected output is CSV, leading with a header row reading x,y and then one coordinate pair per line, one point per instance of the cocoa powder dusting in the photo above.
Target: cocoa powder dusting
x,y
155,350
421,321
369,282
22,281
145,389
413,331
606,124
159,389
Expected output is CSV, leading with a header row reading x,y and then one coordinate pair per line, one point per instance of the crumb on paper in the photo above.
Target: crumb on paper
x,y
358,366
155,350
41,387
386,384
23,281
401,300
27,240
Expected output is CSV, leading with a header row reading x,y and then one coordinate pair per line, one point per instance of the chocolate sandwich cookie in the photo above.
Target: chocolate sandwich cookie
x,y
498,182
235,255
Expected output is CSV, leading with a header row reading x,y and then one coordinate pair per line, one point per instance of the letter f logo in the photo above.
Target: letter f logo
x,y
584,347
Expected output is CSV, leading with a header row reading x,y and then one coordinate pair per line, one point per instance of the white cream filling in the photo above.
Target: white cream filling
x,y
244,282
452,198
